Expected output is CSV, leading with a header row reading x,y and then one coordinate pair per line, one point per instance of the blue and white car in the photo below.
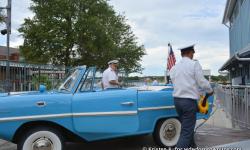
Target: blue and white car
x,y
80,110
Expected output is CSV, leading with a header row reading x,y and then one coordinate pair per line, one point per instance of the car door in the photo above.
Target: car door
x,y
104,111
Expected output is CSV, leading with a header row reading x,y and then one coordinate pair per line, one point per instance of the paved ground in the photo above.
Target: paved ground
x,y
242,145
216,131
206,136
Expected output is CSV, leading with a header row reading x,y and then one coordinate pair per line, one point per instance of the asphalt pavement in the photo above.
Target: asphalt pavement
x,y
206,136
216,131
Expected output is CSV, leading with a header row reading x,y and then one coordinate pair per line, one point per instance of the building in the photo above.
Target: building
x,y
14,54
237,19
24,76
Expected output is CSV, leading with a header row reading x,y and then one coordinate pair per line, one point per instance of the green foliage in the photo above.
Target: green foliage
x,y
220,78
43,79
79,32
1,17
134,78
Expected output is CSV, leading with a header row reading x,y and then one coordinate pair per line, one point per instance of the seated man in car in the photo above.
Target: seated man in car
x,y
110,76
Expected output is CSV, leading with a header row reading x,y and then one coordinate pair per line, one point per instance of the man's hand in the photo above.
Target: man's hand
x,y
211,93
114,82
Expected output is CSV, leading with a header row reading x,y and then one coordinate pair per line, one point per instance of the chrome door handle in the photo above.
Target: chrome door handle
x,y
127,103
40,104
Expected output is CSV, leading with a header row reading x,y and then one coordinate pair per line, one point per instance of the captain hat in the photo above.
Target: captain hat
x,y
187,48
113,62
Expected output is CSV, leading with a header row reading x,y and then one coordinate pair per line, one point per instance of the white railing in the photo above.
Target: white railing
x,y
235,100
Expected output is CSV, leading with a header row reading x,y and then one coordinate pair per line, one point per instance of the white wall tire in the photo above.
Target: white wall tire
x,y
41,139
167,132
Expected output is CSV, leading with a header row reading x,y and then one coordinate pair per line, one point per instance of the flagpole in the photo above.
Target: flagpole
x,y
170,61
165,76
166,72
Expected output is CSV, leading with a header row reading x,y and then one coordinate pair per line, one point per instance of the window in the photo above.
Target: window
x,y
98,81
88,81
69,83
241,1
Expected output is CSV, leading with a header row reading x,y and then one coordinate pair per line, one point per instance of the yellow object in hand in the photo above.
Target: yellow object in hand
x,y
203,104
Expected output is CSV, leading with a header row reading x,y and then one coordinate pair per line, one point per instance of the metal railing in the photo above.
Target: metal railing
x,y
27,77
235,99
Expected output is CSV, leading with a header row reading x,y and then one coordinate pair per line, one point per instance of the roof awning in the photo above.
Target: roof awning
x,y
228,64
233,61
228,10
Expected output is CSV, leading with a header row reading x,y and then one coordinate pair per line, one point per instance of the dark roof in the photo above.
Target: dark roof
x,y
3,50
228,10
244,53
227,65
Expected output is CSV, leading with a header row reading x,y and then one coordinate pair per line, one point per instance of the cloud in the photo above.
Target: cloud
x,y
181,23
213,58
157,22
154,63
19,12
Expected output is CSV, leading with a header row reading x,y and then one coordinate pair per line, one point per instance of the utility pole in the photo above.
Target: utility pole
x,y
8,32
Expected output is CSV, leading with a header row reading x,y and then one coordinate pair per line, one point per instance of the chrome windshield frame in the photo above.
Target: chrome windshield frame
x,y
81,71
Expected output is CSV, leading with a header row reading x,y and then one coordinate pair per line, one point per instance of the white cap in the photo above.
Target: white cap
x,y
190,47
113,62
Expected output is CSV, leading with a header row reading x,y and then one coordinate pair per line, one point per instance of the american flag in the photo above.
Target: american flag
x,y
171,58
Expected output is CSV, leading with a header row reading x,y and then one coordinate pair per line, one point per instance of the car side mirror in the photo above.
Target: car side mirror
x,y
42,88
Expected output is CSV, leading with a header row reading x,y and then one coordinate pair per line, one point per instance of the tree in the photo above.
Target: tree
x,y
219,78
77,32
1,17
42,79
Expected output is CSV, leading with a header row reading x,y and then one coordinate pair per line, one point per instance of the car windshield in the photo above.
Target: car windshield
x,y
69,81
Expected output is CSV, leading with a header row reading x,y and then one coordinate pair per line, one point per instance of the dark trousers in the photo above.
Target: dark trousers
x,y
186,109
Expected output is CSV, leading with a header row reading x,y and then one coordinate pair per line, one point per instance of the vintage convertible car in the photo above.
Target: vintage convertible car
x,y
80,110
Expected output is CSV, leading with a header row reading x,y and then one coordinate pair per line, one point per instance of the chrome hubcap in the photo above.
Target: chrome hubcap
x,y
169,131
42,144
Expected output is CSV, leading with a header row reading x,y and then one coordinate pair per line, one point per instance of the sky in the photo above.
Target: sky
x,y
156,23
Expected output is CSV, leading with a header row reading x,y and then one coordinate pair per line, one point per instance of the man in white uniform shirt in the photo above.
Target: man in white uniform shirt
x,y
187,78
110,77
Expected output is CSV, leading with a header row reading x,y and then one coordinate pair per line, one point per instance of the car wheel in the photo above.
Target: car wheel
x,y
167,132
41,138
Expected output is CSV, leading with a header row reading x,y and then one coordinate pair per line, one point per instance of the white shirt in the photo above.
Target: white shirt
x,y
187,77
109,75
155,82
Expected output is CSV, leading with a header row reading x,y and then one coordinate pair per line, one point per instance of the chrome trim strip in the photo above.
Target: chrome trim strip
x,y
160,107
113,113
34,117
156,108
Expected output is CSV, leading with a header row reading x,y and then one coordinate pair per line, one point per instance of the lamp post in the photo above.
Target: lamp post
x,y
8,32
